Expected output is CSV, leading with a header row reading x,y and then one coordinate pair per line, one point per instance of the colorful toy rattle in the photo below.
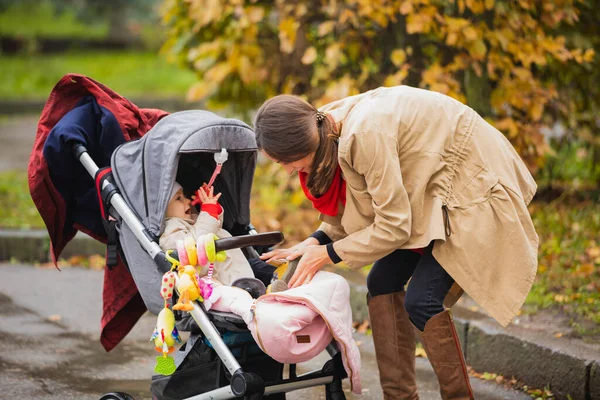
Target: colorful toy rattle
x,y
165,333
207,254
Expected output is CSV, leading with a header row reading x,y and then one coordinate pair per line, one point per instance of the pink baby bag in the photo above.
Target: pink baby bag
x,y
296,325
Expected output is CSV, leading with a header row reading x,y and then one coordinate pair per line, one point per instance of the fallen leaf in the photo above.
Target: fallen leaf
x,y
593,252
362,328
558,335
489,376
420,352
97,262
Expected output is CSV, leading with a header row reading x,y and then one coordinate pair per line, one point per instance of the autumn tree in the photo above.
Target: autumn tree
x,y
508,59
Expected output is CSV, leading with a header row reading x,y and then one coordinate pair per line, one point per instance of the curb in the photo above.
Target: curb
x,y
569,368
33,246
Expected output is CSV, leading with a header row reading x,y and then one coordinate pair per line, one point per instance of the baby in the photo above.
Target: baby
x,y
182,220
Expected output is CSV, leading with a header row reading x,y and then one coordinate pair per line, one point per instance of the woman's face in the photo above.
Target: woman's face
x,y
301,165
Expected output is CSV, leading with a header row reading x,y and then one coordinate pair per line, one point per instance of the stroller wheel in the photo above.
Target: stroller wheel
x,y
116,396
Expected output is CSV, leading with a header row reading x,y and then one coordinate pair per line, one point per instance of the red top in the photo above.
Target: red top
x,y
328,202
212,209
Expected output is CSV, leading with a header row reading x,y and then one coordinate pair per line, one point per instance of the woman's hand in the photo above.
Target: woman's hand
x,y
289,254
313,259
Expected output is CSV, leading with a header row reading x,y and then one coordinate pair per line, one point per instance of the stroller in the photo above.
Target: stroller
x,y
188,147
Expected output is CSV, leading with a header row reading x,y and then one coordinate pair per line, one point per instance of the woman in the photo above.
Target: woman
x,y
420,185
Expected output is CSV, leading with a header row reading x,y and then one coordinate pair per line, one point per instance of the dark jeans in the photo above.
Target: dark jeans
x,y
428,287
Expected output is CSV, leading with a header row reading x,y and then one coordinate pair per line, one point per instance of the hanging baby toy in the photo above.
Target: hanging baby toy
x,y
165,334
207,254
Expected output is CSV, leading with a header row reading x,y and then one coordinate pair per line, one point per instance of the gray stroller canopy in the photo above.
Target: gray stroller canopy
x,y
181,147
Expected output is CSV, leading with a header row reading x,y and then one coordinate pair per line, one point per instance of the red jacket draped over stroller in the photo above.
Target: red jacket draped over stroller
x,y
108,114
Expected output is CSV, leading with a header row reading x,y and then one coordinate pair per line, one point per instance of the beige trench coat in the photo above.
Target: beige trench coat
x,y
235,265
421,167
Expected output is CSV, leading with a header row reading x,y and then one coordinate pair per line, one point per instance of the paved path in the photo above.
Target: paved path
x,y
49,346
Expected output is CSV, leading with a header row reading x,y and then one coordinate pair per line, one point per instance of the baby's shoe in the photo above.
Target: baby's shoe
x,y
277,286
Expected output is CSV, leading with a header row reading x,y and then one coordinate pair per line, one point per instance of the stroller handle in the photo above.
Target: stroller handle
x,y
259,239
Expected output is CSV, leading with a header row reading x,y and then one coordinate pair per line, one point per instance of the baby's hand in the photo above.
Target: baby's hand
x,y
207,196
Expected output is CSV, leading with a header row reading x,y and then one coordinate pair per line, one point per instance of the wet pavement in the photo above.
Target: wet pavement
x,y
49,347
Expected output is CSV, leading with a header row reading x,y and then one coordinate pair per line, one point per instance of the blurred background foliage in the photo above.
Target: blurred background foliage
x,y
525,65
531,67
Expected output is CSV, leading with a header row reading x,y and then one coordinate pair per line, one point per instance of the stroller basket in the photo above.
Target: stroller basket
x,y
223,376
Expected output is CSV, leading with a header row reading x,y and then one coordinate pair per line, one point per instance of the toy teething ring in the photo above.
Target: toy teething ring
x,y
201,251
190,248
210,248
182,253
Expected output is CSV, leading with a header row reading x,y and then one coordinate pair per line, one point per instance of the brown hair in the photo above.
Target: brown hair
x,y
288,129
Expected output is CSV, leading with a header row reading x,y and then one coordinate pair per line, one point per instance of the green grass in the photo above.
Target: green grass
x,y
569,259
16,207
25,19
129,74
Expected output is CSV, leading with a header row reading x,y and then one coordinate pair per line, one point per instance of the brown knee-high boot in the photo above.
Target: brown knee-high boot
x,y
443,350
394,340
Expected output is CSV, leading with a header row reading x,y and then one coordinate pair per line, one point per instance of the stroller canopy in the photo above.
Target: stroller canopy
x,y
181,147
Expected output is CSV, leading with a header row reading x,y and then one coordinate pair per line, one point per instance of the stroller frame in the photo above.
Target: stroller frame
x,y
242,384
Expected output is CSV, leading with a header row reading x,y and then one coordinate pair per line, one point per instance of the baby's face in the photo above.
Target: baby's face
x,y
179,207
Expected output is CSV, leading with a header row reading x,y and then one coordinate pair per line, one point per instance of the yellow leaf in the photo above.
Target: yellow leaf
x,y
310,55
348,15
97,261
397,78
326,28
406,7
200,91
398,57
535,110
588,56
586,269
476,6
478,49
246,70
255,14
288,28
593,252
301,10
420,352
542,268
558,335
452,39
470,33
490,4
218,73
414,24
